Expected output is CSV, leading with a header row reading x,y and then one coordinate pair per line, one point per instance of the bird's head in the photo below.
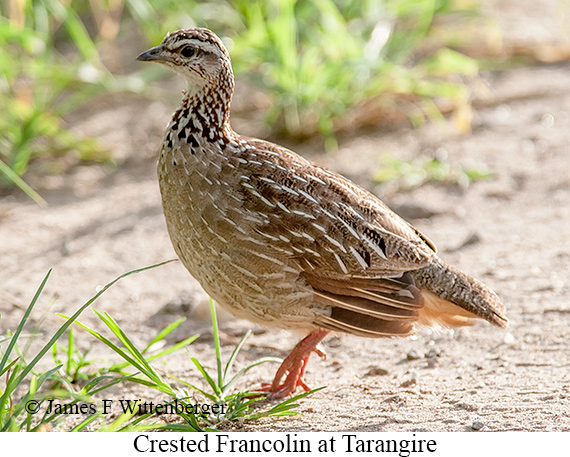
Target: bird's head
x,y
197,54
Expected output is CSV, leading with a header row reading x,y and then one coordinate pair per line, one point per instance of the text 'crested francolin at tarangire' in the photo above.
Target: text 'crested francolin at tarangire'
x,y
285,243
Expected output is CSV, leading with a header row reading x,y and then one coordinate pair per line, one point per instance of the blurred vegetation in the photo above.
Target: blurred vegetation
x,y
327,65
408,174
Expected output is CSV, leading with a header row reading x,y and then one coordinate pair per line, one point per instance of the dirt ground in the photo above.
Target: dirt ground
x,y
511,231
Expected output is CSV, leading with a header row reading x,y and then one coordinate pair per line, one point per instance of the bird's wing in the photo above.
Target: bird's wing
x,y
351,248
367,307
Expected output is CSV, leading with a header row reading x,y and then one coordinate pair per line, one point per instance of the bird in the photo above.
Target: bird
x,y
285,243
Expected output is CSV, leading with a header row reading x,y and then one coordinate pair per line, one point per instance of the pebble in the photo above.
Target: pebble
x,y
432,362
477,425
509,339
377,371
409,383
466,406
413,355
432,353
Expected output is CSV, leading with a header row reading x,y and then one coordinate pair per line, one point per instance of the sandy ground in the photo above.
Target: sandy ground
x,y
511,231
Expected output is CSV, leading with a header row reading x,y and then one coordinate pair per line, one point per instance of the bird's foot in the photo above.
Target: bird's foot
x,y
294,367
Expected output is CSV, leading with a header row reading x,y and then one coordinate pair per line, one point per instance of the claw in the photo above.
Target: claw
x,y
321,353
294,366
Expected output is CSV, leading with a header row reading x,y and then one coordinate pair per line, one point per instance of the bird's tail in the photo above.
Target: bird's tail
x,y
454,298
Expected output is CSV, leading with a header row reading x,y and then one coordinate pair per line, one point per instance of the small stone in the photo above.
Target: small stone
x,y
477,425
466,406
409,383
377,371
432,353
509,339
394,399
413,355
432,362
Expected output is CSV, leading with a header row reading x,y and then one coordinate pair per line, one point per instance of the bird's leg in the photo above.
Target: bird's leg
x,y
295,364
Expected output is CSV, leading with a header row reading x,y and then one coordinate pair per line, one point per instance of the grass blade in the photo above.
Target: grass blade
x,y
82,425
208,378
108,343
235,352
244,370
215,331
168,329
170,350
13,381
285,407
23,185
142,364
23,321
90,388
197,389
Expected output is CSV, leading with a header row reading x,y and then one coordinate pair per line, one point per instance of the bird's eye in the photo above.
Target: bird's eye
x,y
188,51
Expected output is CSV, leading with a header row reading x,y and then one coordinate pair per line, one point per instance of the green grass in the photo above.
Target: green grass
x,y
321,63
38,86
73,383
413,173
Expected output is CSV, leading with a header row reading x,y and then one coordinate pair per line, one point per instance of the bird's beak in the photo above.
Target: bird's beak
x,y
155,54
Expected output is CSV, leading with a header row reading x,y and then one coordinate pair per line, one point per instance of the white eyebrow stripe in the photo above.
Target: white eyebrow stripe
x,y
202,45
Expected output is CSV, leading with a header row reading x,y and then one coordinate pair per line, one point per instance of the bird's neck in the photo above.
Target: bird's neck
x,y
204,114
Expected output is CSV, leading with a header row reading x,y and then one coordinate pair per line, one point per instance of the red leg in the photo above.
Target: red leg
x,y
295,364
